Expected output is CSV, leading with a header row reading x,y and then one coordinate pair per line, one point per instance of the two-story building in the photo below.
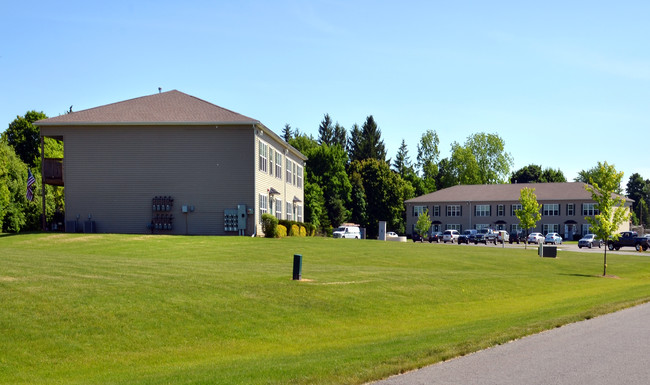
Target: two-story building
x,y
172,163
564,208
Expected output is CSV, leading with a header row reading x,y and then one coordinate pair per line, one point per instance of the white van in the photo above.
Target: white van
x,y
347,232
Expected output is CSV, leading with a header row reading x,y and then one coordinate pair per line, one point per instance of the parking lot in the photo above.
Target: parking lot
x,y
570,246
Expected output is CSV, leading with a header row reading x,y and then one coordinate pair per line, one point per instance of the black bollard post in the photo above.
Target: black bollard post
x,y
297,266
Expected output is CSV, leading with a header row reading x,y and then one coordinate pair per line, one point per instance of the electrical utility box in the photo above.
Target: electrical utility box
x,y
235,219
230,220
242,218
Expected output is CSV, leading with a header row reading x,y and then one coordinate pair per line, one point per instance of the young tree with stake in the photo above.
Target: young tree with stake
x,y
530,213
604,183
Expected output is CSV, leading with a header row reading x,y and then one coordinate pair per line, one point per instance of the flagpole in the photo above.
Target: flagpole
x,y
43,179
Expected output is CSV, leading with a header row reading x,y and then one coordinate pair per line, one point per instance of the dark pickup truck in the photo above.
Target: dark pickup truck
x,y
629,239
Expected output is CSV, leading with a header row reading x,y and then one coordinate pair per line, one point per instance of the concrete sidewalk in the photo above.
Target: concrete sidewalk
x,y
610,349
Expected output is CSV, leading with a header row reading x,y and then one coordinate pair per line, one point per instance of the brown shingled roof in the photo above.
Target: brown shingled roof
x,y
166,107
506,192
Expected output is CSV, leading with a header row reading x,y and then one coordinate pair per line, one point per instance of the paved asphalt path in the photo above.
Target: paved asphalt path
x,y
610,349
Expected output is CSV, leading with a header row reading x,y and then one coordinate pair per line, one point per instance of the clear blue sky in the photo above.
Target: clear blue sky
x,y
565,83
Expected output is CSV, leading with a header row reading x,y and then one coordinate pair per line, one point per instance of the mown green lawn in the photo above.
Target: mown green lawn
x,y
123,309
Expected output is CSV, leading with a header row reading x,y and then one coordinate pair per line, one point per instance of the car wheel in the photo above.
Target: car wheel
x,y
637,247
645,248
590,245
617,248
580,247
610,246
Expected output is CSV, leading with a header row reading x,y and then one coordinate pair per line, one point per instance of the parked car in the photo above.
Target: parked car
x,y
589,240
502,236
553,238
629,238
485,236
535,238
391,234
435,237
467,236
416,237
347,232
450,236
517,236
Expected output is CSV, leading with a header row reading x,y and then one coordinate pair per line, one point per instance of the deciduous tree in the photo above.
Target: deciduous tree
x,y
530,213
428,154
423,224
604,184
24,137
493,161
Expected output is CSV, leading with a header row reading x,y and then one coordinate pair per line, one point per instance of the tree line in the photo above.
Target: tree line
x,y
20,151
350,179
348,175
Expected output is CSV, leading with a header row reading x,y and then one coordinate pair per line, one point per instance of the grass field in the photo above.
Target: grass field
x,y
122,309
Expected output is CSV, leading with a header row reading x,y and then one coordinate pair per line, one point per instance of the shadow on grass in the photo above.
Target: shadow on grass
x,y
3,235
591,275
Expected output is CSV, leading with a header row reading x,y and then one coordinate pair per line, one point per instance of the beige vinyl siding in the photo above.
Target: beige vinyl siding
x,y
113,173
264,181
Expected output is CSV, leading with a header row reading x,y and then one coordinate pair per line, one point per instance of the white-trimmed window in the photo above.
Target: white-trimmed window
x,y
264,204
299,176
436,210
589,209
585,228
299,213
550,228
501,210
289,173
289,211
417,210
278,208
278,164
515,228
295,173
570,209
453,226
551,210
263,156
514,208
481,226
482,210
454,211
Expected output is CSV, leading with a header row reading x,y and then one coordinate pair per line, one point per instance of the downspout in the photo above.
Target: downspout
x,y
284,178
43,179
255,149
470,214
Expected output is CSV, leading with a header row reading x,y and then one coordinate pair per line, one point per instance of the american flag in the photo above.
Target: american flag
x,y
30,182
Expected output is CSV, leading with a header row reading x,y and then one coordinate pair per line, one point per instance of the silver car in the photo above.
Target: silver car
x,y
535,238
553,238
450,236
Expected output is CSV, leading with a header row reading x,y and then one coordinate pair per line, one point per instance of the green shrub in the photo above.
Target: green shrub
x,y
282,232
269,225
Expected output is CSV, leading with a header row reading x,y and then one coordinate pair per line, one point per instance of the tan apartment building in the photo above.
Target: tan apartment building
x,y
171,163
564,208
